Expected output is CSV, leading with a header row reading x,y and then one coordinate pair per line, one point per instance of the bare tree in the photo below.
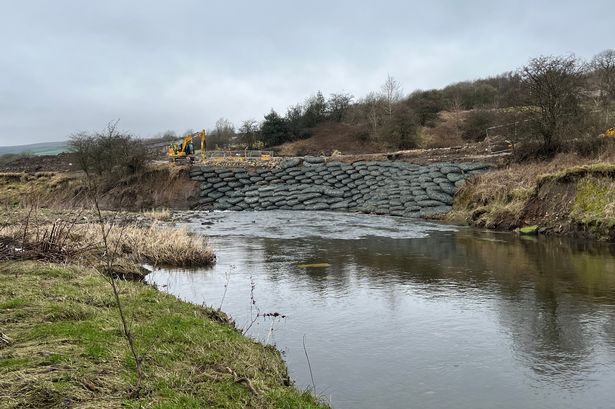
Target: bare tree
x,y
455,108
110,152
223,134
249,132
553,85
391,91
603,65
374,104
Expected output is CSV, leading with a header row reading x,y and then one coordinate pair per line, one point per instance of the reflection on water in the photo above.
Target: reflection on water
x,y
414,314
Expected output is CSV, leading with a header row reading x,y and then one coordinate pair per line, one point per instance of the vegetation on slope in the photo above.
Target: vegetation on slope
x,y
550,105
567,195
61,346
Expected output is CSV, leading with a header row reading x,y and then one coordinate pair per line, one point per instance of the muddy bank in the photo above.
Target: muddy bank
x,y
160,186
578,200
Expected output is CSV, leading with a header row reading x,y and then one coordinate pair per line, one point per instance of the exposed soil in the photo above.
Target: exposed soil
x,y
63,162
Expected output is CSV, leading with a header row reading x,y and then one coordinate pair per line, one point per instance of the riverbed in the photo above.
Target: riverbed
x,y
399,313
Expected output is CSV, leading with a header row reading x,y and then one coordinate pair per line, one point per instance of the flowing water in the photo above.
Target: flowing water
x,y
399,313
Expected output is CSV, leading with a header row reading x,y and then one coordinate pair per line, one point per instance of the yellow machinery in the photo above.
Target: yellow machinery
x,y
185,149
610,133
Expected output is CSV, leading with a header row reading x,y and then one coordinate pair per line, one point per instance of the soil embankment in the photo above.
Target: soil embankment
x,y
551,197
161,186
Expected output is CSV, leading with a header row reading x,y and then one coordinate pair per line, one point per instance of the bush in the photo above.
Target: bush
x,y
474,128
110,152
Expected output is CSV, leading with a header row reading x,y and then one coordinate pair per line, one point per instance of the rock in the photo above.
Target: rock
x,y
340,205
528,230
429,203
334,192
313,159
448,188
290,163
433,211
215,195
455,177
440,197
450,169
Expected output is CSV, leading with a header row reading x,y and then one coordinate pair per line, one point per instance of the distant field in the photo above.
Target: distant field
x,y
49,148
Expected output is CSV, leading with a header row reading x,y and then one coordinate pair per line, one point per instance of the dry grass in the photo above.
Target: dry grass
x,y
500,198
66,241
162,214
515,182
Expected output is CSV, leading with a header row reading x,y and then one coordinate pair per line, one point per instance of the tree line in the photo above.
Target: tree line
x,y
549,101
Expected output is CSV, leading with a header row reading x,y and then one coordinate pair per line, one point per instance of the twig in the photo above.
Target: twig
x,y
309,365
227,277
253,306
109,258
5,339
242,379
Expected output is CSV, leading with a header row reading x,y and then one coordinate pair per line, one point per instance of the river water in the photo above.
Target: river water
x,y
411,314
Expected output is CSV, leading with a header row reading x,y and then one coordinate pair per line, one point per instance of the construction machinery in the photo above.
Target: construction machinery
x,y
184,150
609,133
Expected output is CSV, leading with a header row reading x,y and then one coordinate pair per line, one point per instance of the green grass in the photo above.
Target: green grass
x,y
66,348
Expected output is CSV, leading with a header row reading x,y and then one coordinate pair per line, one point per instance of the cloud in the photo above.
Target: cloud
x,y
158,65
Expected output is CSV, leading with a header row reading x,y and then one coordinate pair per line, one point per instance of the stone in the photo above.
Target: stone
x,y
454,177
450,169
215,195
440,197
429,203
433,211
313,159
290,163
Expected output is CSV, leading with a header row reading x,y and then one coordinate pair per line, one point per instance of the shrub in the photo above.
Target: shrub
x,y
109,152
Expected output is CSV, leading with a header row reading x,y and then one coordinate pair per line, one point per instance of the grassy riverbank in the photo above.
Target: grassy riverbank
x,y
567,195
62,347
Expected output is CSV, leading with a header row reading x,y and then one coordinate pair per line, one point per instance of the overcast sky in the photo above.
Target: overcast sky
x,y
172,65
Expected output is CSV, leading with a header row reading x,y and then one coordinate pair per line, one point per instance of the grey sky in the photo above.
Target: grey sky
x,y
75,65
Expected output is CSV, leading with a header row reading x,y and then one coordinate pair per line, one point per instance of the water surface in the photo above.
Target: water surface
x,y
411,314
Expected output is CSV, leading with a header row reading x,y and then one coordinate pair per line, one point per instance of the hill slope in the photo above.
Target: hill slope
x,y
45,148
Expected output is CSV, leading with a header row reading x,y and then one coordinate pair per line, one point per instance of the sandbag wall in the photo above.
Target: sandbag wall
x,y
381,187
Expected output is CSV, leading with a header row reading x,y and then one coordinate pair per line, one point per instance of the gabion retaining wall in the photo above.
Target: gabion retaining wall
x,y
381,187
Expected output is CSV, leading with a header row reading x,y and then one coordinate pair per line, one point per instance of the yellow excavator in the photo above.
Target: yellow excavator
x,y
609,133
184,150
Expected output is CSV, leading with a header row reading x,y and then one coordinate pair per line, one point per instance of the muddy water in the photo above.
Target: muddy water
x,y
416,315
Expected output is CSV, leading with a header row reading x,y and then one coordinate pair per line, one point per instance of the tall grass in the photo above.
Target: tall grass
x,y
66,241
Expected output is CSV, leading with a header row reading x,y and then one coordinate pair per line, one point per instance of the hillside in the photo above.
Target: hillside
x,y
45,148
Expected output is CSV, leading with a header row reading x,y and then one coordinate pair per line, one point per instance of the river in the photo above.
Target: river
x,y
413,314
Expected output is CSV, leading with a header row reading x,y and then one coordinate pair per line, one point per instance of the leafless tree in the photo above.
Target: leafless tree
x,y
455,108
553,88
391,91
603,65
110,151
223,134
374,105
249,132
